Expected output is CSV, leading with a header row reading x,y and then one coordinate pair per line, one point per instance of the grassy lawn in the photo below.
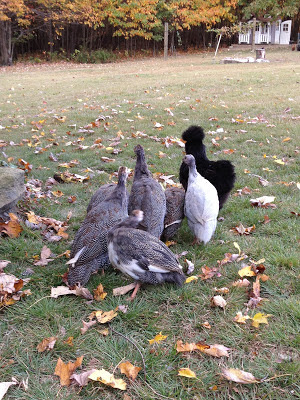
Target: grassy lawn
x,y
256,108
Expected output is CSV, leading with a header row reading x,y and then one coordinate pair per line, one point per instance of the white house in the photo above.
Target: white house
x,y
268,32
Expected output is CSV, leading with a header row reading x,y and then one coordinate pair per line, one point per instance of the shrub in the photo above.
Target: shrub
x,y
95,57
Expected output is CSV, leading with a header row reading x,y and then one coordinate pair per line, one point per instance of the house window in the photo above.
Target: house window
x,y
257,26
285,27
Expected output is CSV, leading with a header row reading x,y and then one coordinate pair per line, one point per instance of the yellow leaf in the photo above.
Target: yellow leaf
x,y
187,347
108,379
246,271
287,139
105,316
239,376
191,278
237,247
129,370
280,162
240,318
99,293
158,338
260,318
187,373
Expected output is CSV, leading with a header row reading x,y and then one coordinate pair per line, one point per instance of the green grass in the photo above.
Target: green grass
x,y
134,94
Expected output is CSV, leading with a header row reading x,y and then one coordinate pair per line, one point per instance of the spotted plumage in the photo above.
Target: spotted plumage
x,y
174,212
89,248
101,194
142,256
147,195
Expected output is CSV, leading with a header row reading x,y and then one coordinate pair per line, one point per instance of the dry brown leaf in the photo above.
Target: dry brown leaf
x,y
83,292
187,347
120,291
242,230
216,350
61,291
218,301
86,326
239,376
108,379
44,259
11,228
206,325
83,378
264,201
222,290
129,370
209,272
99,293
104,332
46,344
241,283
3,264
69,341
64,371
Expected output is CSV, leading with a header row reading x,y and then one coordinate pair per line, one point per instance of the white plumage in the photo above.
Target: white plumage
x,y
201,205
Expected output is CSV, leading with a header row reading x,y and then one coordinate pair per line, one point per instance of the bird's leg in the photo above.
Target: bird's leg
x,y
137,286
195,241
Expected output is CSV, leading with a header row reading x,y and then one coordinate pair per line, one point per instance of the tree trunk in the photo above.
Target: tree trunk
x,y
166,36
253,34
6,47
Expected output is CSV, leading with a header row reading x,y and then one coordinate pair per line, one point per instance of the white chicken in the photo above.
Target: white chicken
x,y
201,205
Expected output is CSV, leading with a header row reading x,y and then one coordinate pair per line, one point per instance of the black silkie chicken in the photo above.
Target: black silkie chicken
x,y
220,173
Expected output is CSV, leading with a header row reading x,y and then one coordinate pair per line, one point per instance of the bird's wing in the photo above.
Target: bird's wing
x,y
150,253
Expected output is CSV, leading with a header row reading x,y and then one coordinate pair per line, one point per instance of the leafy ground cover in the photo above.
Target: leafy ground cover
x,y
85,120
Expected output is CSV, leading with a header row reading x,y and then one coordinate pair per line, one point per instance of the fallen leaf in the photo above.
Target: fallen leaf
x,y
103,316
3,264
123,289
191,267
241,283
123,308
264,202
260,318
64,371
242,230
239,376
46,344
186,347
158,338
83,378
4,386
218,301
216,350
107,160
191,278
86,326
246,271
209,272
61,291
104,332
11,228
187,373
129,370
222,290
108,379
240,318
206,325
44,259
99,293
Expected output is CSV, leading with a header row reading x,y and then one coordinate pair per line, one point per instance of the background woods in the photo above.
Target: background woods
x,y
73,29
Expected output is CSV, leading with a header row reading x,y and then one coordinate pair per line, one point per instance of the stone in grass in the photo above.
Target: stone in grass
x,y
11,189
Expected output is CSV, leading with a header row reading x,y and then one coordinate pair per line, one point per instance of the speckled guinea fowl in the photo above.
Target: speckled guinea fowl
x,y
141,255
201,205
147,195
174,213
101,194
89,249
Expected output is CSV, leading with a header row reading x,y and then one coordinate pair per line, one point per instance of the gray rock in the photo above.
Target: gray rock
x,y
11,188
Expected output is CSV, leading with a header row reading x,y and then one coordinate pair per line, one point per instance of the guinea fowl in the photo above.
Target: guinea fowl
x,y
141,255
174,213
147,195
201,205
220,173
89,249
101,194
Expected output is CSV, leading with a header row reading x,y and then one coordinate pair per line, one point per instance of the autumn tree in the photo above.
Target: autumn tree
x,y
14,22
